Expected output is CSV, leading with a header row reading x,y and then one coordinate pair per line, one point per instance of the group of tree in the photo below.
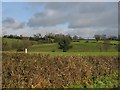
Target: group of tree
x,y
48,38
62,40
13,36
104,37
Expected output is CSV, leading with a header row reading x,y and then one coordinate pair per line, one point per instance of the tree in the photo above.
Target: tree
x,y
97,37
69,36
58,37
112,37
103,37
75,38
21,37
37,36
64,44
50,35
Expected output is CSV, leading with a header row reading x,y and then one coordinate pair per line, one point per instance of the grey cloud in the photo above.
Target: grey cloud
x,y
79,15
10,23
85,19
107,19
8,20
95,15
54,13
48,17
83,7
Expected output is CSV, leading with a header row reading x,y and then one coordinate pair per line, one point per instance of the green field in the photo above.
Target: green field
x,y
78,48
81,46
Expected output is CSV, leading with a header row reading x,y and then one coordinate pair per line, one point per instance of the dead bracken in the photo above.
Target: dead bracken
x,y
43,71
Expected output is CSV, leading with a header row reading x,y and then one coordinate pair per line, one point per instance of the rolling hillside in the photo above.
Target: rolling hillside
x,y
81,46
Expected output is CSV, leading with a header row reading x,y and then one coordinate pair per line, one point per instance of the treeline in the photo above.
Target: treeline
x,y
51,37
105,37
64,41
13,36
48,38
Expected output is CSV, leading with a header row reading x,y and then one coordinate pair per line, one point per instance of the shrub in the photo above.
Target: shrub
x,y
64,44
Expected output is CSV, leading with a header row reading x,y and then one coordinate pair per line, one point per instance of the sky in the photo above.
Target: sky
x,y
83,19
59,0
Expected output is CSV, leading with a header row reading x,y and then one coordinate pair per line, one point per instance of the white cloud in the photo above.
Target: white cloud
x,y
29,31
77,14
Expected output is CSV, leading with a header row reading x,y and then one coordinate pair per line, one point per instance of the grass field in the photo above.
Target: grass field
x,y
81,46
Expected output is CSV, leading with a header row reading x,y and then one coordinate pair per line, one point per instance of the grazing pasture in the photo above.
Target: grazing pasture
x,y
81,46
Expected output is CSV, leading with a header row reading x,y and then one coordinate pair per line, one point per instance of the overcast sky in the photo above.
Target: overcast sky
x,y
59,0
75,18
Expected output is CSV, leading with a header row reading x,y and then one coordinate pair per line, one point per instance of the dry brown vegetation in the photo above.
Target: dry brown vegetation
x,y
43,71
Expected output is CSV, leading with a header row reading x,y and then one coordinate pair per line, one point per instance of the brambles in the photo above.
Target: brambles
x,y
41,71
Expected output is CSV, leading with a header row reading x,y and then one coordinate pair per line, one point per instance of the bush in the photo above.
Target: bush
x,y
20,49
53,50
64,44
86,41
